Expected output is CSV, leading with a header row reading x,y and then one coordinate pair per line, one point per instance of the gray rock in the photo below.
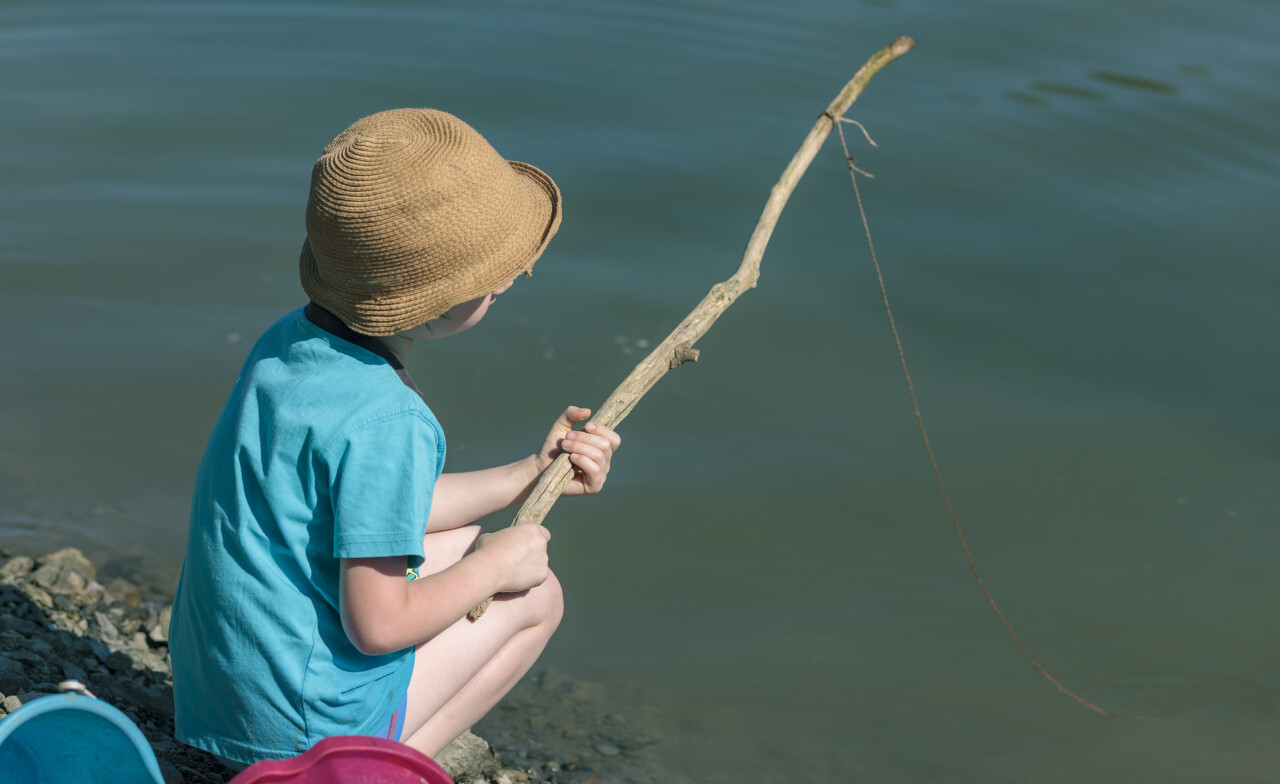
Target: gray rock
x,y
41,647
36,594
97,648
71,558
17,566
160,632
468,756
60,643
11,623
122,590
119,661
73,672
65,625
64,572
155,699
169,773
106,628
13,676
27,658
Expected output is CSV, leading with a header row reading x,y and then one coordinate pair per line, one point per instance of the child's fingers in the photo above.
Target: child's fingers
x,y
598,449
572,416
593,475
595,428
606,442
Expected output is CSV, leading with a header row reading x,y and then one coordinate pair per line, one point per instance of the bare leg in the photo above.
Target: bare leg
x,y
461,673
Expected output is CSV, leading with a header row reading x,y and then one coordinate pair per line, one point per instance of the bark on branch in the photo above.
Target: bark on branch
x,y
677,348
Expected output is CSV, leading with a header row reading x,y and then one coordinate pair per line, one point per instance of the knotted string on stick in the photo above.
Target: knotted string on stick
x,y
677,348
854,171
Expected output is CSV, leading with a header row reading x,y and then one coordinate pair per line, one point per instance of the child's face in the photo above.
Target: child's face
x,y
457,319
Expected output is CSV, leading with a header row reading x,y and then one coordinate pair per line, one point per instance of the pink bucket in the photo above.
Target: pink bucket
x,y
349,759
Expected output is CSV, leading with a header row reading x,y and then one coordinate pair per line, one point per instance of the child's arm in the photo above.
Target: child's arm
x,y
463,498
383,612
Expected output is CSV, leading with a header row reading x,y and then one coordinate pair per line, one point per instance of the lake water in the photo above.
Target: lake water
x,y
1075,205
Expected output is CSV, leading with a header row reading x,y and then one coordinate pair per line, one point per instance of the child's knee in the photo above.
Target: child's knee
x,y
551,601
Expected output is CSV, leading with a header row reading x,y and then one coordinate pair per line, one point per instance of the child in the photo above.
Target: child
x,y
321,484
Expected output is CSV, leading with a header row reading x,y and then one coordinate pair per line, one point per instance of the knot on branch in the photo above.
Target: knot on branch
x,y
682,354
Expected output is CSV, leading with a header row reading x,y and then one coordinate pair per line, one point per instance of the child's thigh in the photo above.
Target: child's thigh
x,y
443,549
489,654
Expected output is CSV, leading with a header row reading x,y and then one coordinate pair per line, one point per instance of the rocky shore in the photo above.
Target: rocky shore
x,y
58,622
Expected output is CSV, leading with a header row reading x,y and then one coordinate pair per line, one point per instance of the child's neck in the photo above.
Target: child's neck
x,y
398,345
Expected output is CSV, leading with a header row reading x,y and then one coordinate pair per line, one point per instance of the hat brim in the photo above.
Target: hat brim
x,y
414,307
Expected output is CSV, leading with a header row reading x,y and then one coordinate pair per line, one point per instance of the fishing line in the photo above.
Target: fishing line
x,y
902,358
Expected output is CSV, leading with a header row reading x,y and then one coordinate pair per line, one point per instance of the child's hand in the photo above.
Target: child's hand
x,y
521,553
590,450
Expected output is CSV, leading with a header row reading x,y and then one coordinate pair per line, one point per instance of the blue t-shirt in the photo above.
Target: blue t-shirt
x,y
321,453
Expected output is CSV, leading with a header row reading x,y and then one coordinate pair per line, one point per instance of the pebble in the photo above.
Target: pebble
x,y
57,622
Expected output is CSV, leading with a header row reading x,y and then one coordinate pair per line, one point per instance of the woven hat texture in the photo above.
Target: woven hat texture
x,y
411,212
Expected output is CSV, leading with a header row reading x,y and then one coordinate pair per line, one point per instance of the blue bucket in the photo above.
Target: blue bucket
x,y
68,738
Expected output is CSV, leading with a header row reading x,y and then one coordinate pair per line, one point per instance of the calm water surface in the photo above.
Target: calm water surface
x,y
1075,205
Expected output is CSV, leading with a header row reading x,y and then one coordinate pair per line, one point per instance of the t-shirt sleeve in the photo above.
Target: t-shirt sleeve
x,y
384,479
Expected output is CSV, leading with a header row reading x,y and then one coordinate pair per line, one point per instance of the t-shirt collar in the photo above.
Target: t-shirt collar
x,y
330,323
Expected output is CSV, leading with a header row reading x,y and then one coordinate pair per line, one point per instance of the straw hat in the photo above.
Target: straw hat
x,y
412,212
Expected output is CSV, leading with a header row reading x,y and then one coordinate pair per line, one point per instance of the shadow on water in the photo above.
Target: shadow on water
x,y
1134,82
1039,92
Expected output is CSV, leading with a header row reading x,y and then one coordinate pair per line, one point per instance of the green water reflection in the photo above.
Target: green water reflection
x,y
1074,204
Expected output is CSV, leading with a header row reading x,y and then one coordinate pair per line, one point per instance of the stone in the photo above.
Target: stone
x,y
97,648
169,773
37,595
122,590
73,672
70,557
106,628
162,745
166,613
28,658
66,626
41,647
119,662
11,623
16,567
66,572
13,676
468,756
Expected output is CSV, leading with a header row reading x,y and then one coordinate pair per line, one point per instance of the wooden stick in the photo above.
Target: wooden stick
x,y
677,348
